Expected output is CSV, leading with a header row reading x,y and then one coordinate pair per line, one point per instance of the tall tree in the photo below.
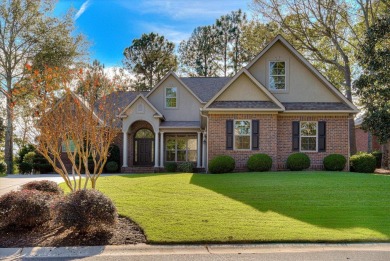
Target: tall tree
x,y
326,31
150,58
27,34
373,86
238,55
198,55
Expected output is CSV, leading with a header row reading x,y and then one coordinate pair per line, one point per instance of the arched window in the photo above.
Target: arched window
x,y
144,134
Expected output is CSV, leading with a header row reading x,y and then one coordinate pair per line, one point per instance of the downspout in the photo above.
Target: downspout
x,y
206,152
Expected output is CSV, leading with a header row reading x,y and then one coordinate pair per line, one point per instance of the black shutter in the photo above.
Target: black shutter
x,y
321,136
255,134
295,135
229,134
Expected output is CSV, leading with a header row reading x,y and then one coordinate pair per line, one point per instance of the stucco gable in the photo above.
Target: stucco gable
x,y
140,105
241,91
304,82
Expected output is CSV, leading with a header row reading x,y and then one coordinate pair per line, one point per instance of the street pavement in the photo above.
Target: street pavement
x,y
143,252
13,182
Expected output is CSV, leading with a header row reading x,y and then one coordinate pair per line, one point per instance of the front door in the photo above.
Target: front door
x,y
144,148
144,152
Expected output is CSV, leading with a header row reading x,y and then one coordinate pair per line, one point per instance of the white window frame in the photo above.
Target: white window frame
x,y
307,136
286,76
187,150
165,97
250,134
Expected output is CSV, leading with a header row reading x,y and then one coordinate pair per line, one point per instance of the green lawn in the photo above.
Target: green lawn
x,y
3,175
255,207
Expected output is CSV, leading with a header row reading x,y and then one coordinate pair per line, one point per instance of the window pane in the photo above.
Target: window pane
x,y
144,133
171,102
170,155
181,155
181,143
309,143
308,128
192,143
170,144
242,128
171,92
242,142
192,155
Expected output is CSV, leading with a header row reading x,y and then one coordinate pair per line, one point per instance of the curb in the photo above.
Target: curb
x,y
144,249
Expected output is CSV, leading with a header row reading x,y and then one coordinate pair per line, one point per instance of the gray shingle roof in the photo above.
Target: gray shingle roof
x,y
205,87
121,99
244,105
316,106
181,124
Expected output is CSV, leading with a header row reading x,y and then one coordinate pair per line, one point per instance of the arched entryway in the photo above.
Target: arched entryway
x,y
144,148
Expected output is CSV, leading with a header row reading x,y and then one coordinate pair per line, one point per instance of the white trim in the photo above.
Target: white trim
x,y
300,137
250,135
165,98
125,150
257,83
156,149
162,150
198,154
178,79
308,65
140,96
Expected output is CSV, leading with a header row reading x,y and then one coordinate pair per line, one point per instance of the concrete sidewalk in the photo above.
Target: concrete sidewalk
x,y
379,250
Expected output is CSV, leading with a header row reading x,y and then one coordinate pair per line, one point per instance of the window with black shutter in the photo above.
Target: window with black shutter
x,y
321,136
255,134
295,135
229,134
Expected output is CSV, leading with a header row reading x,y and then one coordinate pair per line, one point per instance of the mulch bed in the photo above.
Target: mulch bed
x,y
47,235
382,171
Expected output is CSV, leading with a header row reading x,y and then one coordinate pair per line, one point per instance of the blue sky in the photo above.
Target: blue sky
x,y
111,25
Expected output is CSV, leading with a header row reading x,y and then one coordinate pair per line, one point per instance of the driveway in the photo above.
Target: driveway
x,y
13,182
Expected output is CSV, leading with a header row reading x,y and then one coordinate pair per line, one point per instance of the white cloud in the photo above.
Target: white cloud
x,y
82,9
167,31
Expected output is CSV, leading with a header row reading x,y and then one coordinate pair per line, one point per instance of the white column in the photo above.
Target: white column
x,y
198,151
125,149
156,149
162,150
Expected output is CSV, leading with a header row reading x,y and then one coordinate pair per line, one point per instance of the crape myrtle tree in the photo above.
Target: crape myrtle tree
x,y
373,86
29,33
327,32
150,58
82,125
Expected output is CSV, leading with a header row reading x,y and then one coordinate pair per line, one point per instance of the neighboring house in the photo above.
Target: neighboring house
x,y
278,104
365,141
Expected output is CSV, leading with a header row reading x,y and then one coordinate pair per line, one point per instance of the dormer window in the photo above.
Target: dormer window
x,y
277,76
171,97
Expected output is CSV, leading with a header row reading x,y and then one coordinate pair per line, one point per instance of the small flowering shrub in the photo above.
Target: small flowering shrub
x,y
25,208
85,210
43,185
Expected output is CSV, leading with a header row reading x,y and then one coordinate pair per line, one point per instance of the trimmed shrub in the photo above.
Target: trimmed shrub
x,y
222,164
363,162
170,166
41,165
85,210
23,151
334,162
378,155
187,167
298,161
43,185
114,154
259,162
112,167
29,157
3,167
25,208
25,168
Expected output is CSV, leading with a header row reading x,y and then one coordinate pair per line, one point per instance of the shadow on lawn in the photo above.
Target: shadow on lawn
x,y
335,201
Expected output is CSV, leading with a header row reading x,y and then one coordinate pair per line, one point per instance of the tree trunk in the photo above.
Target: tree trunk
x,y
348,84
8,150
385,155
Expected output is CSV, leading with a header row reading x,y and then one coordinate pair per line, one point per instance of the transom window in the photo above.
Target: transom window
x,y
277,75
171,97
70,144
144,134
181,148
242,134
308,135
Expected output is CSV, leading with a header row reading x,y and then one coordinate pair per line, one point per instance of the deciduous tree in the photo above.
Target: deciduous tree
x,y
29,35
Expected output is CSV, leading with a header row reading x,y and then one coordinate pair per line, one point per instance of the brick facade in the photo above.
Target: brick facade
x,y
362,143
276,138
